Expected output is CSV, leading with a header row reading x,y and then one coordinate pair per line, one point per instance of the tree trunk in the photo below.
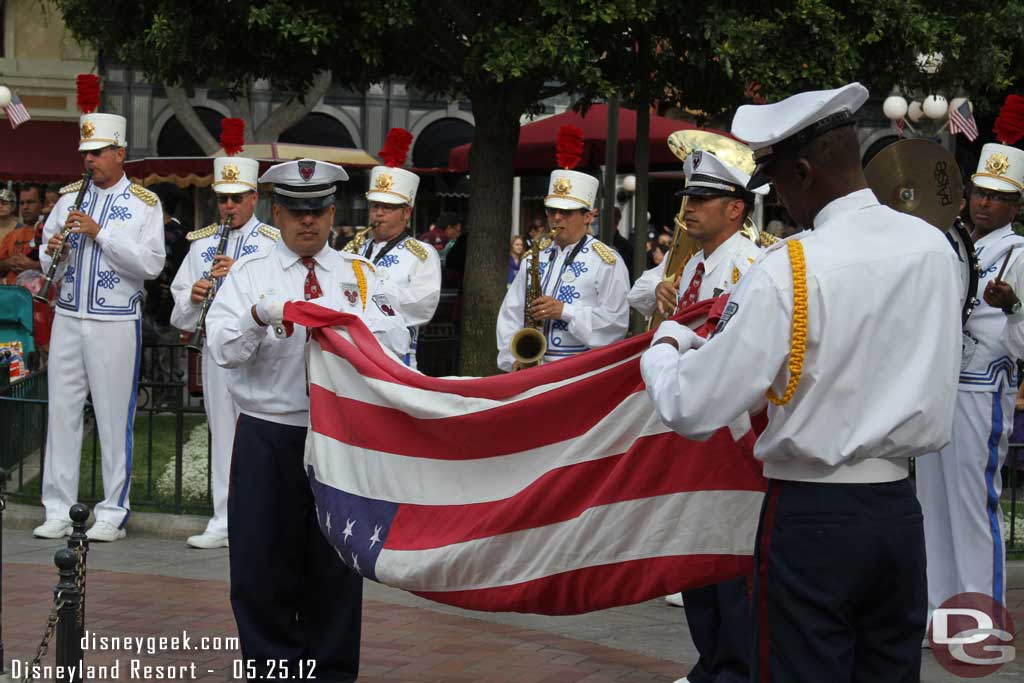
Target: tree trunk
x,y
178,98
288,114
491,160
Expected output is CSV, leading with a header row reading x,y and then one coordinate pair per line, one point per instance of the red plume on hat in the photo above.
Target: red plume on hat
x,y
396,147
1009,126
569,146
88,92
232,135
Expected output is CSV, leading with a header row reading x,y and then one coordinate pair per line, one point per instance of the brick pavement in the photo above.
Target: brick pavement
x,y
400,643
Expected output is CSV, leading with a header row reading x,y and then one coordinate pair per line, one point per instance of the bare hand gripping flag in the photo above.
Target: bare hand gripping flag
x,y
553,491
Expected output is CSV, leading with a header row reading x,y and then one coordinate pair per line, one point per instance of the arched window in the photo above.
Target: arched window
x,y
174,140
437,139
318,129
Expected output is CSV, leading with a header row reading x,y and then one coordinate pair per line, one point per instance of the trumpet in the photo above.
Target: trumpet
x,y
528,344
196,342
43,295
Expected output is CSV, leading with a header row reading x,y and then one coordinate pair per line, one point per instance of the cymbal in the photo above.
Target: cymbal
x,y
918,177
735,153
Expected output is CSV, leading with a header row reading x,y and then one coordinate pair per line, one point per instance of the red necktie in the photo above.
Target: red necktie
x,y
692,292
312,289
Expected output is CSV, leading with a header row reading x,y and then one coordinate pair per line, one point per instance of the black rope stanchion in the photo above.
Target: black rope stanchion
x,y
68,599
78,543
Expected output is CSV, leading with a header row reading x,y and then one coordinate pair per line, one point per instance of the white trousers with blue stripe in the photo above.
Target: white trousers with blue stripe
x,y
959,491
101,358
221,416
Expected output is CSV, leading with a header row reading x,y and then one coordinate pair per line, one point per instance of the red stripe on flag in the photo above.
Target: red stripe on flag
x,y
653,466
600,587
472,435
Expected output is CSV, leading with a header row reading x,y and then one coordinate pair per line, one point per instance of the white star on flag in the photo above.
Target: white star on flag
x,y
327,524
375,539
348,529
355,564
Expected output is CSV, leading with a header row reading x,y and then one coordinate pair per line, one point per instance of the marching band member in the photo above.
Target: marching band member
x,y
583,282
116,243
292,599
235,186
410,269
959,490
716,206
851,332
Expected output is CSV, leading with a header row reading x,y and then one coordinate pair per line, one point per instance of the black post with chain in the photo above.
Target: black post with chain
x,y
69,632
78,542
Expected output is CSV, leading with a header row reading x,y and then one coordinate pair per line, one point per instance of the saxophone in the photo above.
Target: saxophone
x,y
43,295
196,342
355,245
528,344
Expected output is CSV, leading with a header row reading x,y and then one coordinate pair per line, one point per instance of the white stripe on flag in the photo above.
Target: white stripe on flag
x,y
427,481
693,523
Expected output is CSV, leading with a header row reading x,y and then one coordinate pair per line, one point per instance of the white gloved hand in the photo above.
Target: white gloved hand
x,y
270,312
685,337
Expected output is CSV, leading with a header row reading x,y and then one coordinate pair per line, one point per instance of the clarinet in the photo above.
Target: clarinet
x,y
196,343
44,293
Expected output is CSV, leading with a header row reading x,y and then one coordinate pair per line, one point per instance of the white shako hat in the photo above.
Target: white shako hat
x,y
707,175
101,130
235,175
392,185
305,184
571,190
784,128
1000,168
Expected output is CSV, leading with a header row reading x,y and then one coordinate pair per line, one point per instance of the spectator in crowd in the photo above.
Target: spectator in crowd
x,y
450,224
538,229
344,236
159,302
434,237
8,212
52,194
18,245
515,256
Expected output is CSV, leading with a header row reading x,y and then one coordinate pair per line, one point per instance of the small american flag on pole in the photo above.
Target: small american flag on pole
x,y
900,125
962,121
16,112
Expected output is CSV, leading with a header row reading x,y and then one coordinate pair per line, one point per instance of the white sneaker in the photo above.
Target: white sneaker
x,y
676,600
105,532
208,540
52,528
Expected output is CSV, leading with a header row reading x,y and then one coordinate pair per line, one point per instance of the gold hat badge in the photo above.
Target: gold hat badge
x,y
997,164
88,129
563,186
229,173
384,183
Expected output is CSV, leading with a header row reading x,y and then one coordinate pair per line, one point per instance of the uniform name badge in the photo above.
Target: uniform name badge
x,y
384,304
351,292
569,277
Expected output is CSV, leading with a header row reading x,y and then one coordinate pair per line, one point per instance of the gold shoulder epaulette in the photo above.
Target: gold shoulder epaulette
x,y
272,233
606,254
355,245
148,198
417,249
73,187
199,234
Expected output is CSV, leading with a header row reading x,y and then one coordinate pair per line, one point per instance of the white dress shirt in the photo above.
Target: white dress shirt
x,y
722,270
270,381
993,341
879,375
102,277
593,291
242,241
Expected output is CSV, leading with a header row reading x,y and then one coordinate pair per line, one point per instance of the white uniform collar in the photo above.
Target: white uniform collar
x,y
250,224
724,251
861,199
116,187
289,258
995,235
569,247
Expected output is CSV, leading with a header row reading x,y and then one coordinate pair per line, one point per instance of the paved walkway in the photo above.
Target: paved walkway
x,y
147,586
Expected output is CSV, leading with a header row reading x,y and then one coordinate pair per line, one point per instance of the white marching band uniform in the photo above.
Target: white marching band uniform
x,y
959,490
221,413
97,337
722,271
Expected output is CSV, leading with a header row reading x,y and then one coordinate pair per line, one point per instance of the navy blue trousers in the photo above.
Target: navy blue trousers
x,y
840,592
719,621
292,597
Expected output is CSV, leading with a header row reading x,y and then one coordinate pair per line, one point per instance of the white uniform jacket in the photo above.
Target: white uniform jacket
x,y
878,380
722,270
270,380
251,238
102,277
410,273
993,341
593,287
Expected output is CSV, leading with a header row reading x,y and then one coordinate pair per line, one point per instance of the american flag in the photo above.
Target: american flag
x,y
900,125
961,120
553,491
16,112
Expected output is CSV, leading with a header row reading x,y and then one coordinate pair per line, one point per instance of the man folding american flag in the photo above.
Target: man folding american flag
x,y
553,491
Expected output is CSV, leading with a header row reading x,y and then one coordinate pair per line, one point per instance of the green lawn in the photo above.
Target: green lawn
x,y
152,452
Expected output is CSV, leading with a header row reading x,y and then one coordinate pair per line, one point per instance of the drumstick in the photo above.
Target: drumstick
x,y
1006,260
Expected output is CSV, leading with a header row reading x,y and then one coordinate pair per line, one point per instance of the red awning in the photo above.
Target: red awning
x,y
536,151
40,151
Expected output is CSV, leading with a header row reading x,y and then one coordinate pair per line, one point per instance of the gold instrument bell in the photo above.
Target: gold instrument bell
x,y
918,177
